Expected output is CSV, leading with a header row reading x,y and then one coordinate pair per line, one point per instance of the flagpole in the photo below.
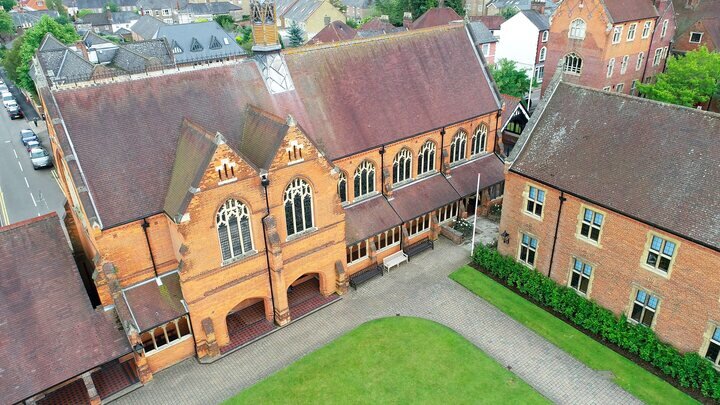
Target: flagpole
x,y
477,198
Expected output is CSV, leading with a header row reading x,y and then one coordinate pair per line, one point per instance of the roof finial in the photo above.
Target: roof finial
x,y
291,121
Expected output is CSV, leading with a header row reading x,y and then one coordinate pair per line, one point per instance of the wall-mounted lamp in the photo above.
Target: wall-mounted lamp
x,y
505,237
138,348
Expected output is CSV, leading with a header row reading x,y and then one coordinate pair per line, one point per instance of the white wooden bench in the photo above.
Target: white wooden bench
x,y
394,260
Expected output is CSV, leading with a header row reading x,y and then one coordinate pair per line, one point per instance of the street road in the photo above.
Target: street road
x,y
24,192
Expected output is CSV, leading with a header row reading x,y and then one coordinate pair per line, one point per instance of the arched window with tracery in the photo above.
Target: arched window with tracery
x,y
402,166
342,187
426,158
233,228
572,64
577,29
298,207
479,140
458,147
364,180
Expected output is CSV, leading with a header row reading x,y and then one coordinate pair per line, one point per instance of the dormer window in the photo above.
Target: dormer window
x,y
226,172
294,152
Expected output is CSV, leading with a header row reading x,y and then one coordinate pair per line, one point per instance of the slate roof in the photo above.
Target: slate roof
x,y
155,51
161,4
147,27
655,162
118,17
375,33
333,32
49,331
152,304
358,3
369,218
480,33
541,21
30,17
187,35
128,183
50,43
214,8
630,10
422,196
91,39
97,4
436,16
64,64
464,176
301,10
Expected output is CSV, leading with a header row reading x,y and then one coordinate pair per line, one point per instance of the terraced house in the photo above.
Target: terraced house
x,y
622,207
216,203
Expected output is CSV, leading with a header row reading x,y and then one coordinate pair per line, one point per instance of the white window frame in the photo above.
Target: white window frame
x,y
458,147
180,338
528,244
611,67
402,166
657,57
349,252
607,88
624,64
577,29
448,212
426,222
639,63
620,87
545,36
303,188
479,140
617,34
572,64
539,74
663,31
486,50
166,12
691,37
543,54
646,29
591,220
631,32
233,208
394,234
365,172
426,158
713,339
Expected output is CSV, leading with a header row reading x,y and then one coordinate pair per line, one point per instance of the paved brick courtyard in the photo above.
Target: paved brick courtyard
x,y
421,288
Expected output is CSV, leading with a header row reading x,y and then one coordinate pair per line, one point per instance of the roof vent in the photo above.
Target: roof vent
x,y
214,43
195,46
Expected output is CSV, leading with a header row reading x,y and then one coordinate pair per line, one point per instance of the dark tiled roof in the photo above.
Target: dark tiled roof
x,y
147,27
152,304
161,4
542,22
64,64
712,30
194,152
630,10
30,17
50,43
436,16
423,196
156,51
118,17
129,183
213,8
377,24
91,39
480,33
335,31
652,161
261,137
49,331
492,22
200,35
686,17
369,218
97,4
464,177
302,9
358,3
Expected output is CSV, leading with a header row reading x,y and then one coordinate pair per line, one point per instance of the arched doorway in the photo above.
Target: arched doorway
x,y
304,295
248,321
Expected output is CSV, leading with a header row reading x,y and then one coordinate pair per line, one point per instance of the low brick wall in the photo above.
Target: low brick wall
x,y
455,236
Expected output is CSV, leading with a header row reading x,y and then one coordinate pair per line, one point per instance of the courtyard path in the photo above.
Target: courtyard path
x,y
421,288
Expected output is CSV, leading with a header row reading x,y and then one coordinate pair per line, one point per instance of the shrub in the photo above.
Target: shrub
x,y
689,370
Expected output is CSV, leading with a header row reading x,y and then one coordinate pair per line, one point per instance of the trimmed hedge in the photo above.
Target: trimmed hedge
x,y
689,370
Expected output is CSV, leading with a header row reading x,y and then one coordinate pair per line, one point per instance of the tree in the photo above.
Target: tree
x,y
7,26
82,13
338,4
7,5
395,9
689,80
225,21
112,7
245,39
509,79
17,61
352,23
296,35
57,5
508,12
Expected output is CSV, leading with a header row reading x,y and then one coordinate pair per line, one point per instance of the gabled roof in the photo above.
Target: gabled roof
x,y
30,17
213,8
630,10
128,183
63,64
687,17
436,16
651,161
712,30
44,310
377,24
492,22
50,43
511,104
333,32
301,10
540,21
261,136
118,17
97,4
147,27
161,4
195,41
91,39
480,33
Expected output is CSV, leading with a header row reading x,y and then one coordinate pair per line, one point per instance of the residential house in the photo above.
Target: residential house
x,y
436,16
276,180
146,27
32,5
492,22
524,40
484,40
583,207
27,19
698,23
207,11
46,313
107,22
98,6
336,31
514,119
607,44
381,23
358,9
310,15
199,43
166,11
495,7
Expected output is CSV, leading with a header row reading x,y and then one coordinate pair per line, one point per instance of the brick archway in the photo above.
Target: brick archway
x,y
304,295
247,321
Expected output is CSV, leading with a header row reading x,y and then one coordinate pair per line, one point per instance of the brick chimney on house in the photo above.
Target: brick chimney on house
x,y
538,5
80,45
407,19
108,14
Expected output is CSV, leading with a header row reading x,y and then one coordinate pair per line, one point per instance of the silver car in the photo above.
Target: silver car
x,y
40,158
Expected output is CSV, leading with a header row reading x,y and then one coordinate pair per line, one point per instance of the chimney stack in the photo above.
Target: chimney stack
x,y
407,19
538,5
441,3
108,14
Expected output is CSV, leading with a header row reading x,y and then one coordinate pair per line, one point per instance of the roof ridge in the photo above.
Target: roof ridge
x,y
196,126
28,221
266,113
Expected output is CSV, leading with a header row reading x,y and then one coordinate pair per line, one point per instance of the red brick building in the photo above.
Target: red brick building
x,y
610,44
217,203
622,207
698,24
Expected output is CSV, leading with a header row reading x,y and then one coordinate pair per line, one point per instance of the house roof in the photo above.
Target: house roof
x,y
261,136
667,154
199,41
464,177
712,29
30,17
436,16
161,4
480,33
630,10
118,17
358,3
685,18
44,309
97,4
541,21
369,218
422,196
492,22
61,63
129,183
511,103
91,39
335,31
301,10
521,5
147,27
213,8
152,304
377,24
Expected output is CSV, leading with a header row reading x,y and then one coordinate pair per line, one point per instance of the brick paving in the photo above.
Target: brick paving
x,y
421,288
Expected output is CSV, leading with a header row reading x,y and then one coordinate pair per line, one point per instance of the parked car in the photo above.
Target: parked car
x,y
4,87
7,98
14,111
27,135
32,144
40,158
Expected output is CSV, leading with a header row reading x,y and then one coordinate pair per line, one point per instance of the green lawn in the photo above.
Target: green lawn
x,y
394,360
633,378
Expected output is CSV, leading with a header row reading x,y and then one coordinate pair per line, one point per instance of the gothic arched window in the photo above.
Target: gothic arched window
x,y
577,29
479,140
572,64
426,158
298,207
342,187
401,166
233,227
364,180
458,147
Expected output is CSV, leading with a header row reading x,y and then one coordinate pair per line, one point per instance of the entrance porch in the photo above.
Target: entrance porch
x,y
246,325
304,297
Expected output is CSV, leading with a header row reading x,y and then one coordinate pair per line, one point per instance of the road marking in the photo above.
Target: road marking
x,y
26,182
16,156
57,179
7,141
21,169
33,198
3,210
